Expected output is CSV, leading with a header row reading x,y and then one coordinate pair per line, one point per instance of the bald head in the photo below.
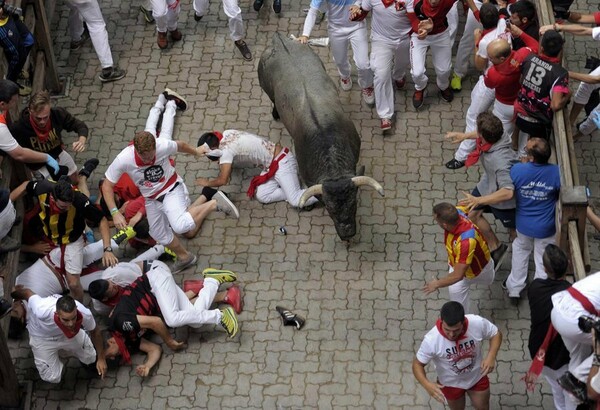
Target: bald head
x,y
498,50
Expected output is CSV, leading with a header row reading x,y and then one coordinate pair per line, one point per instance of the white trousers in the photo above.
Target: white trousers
x,y
168,123
452,18
588,126
482,99
459,292
45,353
170,215
464,53
89,11
232,11
165,16
506,114
562,399
7,219
284,186
521,249
175,307
388,62
564,319
357,38
441,56
584,91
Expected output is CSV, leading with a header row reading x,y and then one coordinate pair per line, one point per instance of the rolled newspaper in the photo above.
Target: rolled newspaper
x,y
317,42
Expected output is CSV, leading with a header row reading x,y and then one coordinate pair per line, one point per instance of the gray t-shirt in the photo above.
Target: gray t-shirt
x,y
496,164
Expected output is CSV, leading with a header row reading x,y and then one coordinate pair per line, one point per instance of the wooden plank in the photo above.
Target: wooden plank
x,y
39,74
42,35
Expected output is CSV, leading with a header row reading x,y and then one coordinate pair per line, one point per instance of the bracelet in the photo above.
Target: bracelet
x,y
113,211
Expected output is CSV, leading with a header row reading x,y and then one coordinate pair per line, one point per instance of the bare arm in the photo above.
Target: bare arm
x,y
98,343
576,17
593,218
108,258
455,276
108,193
501,195
434,389
489,363
154,352
27,155
157,325
222,179
585,78
19,191
186,148
559,100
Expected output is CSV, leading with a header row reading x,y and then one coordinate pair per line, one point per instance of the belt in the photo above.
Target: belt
x,y
54,269
162,197
526,118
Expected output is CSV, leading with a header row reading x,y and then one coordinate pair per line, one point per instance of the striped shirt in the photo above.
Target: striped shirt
x,y
465,244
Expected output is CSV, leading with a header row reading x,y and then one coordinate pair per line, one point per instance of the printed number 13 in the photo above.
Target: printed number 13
x,y
537,77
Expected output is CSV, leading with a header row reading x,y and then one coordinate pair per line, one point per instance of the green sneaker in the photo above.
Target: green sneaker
x,y
220,275
229,321
124,235
172,254
456,82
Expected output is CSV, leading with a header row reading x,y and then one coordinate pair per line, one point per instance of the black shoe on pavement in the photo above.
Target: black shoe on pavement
x,y
455,164
147,15
498,256
85,36
88,167
243,47
277,6
258,4
111,74
418,98
447,94
171,95
289,318
197,17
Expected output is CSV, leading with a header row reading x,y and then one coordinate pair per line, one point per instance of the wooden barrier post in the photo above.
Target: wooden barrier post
x,y
574,202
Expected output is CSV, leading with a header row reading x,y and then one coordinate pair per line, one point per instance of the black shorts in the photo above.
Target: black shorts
x,y
506,216
534,129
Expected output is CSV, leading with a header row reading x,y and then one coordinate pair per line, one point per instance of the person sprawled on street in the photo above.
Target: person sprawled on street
x,y
148,163
455,347
277,182
154,301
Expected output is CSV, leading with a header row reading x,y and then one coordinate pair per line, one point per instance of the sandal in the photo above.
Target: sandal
x,y
243,47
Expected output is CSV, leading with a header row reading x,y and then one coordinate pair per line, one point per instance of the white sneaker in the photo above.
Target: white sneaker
x,y
368,95
346,83
225,205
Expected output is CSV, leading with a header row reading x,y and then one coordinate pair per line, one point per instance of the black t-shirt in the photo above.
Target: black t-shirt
x,y
65,227
532,30
137,299
539,293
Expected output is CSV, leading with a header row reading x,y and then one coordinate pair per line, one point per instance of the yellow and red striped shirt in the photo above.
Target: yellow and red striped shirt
x,y
465,244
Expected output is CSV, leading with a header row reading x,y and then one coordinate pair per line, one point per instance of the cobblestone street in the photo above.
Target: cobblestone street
x,y
365,311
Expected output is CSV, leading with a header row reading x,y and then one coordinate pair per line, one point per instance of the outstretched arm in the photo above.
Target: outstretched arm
x,y
157,325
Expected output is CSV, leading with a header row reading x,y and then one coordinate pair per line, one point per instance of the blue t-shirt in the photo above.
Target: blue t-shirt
x,y
536,189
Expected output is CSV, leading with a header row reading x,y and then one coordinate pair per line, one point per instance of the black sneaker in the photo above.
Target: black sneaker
x,y
498,256
171,95
447,94
147,15
289,318
243,47
111,74
418,99
277,6
197,17
455,164
5,307
573,386
85,36
258,4
88,167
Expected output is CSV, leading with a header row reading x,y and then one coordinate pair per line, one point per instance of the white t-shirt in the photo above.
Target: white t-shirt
x,y
150,179
498,32
388,25
588,287
338,15
122,274
7,141
457,363
246,149
596,33
40,321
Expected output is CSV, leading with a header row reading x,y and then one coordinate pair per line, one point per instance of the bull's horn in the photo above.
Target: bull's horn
x,y
310,192
362,180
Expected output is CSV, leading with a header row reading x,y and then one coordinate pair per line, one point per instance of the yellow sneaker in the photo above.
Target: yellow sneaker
x,y
220,275
124,235
456,82
229,321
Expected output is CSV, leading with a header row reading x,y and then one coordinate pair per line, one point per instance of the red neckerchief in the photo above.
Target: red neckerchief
x,y
112,302
218,135
481,146
125,356
537,364
400,5
438,324
42,133
555,60
68,332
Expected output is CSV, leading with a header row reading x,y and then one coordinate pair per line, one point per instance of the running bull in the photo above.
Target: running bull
x,y
326,142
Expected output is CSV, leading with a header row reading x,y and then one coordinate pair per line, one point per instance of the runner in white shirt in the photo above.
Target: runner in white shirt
x,y
482,97
246,149
390,43
60,323
454,346
168,207
342,31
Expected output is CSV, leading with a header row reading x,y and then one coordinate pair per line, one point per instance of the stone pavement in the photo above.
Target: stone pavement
x,y
364,308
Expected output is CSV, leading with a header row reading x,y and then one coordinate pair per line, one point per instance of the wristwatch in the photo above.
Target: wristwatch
x,y
108,249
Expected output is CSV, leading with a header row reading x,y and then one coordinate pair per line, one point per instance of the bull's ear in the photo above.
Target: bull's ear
x,y
360,171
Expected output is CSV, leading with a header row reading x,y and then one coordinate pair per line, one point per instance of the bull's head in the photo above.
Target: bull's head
x,y
339,198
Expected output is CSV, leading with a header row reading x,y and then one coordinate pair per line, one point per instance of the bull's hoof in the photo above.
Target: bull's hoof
x,y
275,114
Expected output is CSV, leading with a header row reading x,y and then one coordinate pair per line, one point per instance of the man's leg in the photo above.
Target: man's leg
x,y
338,43
441,56
559,395
539,246
521,249
418,51
173,18
234,14
183,218
154,115
270,192
401,59
45,356
582,96
175,306
168,122
81,347
505,113
360,49
161,231
287,178
578,344
459,292
159,12
200,8
465,46
73,265
91,14
480,399
458,404
588,126
382,60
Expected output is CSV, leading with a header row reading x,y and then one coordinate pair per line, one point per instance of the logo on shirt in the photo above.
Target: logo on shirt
x,y
154,173
462,356
127,326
